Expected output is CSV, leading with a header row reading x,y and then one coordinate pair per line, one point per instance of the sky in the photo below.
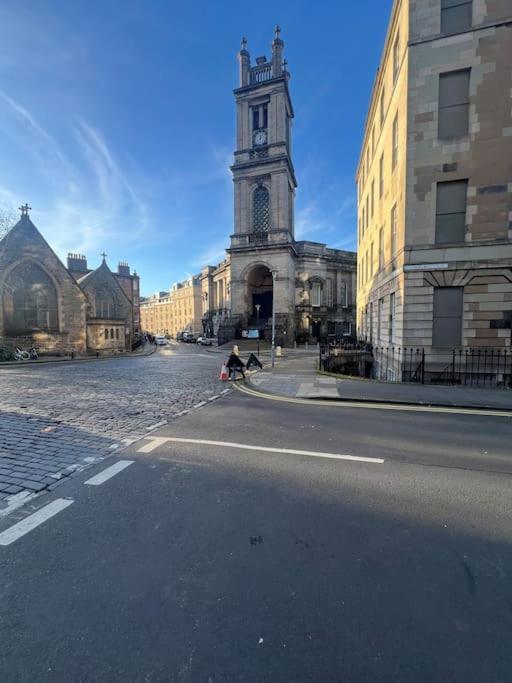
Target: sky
x,y
117,121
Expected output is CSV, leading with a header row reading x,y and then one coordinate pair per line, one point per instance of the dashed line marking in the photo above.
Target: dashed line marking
x,y
155,442
199,405
36,519
225,391
110,472
158,424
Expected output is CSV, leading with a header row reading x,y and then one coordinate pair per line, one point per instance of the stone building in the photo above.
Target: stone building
x,y
177,310
435,183
59,309
312,286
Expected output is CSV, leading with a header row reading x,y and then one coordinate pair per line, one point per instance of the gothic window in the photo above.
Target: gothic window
x,y
261,210
30,301
105,306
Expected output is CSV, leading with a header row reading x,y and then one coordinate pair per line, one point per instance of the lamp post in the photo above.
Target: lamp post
x,y
257,307
274,277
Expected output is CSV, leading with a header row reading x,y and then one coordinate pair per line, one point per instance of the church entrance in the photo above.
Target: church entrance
x,y
260,293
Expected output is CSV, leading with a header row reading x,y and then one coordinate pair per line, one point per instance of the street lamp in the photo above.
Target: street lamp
x,y
257,307
274,277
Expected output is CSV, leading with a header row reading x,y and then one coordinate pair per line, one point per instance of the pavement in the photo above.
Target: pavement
x,y
296,376
259,540
59,418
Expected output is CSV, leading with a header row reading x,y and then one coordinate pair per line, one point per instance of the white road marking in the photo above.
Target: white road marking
x,y
16,501
225,391
110,472
199,405
268,449
158,424
21,528
155,442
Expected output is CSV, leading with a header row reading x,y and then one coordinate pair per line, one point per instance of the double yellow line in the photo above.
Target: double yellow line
x,y
374,405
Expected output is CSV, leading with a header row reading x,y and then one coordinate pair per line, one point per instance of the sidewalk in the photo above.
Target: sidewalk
x,y
296,376
145,350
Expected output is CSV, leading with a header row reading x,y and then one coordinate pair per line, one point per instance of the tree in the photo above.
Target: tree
x,y
8,218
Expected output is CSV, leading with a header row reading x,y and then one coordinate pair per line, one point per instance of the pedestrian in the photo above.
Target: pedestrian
x,y
234,364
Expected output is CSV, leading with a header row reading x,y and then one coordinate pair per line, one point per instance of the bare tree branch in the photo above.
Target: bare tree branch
x,y
8,218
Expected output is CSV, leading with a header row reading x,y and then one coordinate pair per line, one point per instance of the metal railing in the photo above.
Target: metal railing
x,y
479,367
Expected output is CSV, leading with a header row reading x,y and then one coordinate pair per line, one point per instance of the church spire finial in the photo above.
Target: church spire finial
x,y
243,44
25,208
104,257
277,31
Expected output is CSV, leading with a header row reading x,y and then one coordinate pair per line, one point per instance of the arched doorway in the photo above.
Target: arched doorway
x,y
259,293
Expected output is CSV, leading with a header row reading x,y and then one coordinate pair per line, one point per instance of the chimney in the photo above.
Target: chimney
x,y
123,268
77,263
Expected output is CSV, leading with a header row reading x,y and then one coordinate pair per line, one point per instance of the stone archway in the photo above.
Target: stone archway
x,y
259,293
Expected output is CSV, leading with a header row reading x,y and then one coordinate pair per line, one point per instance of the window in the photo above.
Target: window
x,y
382,107
371,321
396,57
454,104
261,210
104,305
456,15
451,211
330,296
381,176
316,294
117,333
380,318
255,118
391,327
29,300
111,333
394,157
366,267
381,248
372,197
447,322
367,209
371,259
373,140
393,230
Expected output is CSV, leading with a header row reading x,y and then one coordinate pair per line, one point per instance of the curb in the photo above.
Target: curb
x,y
385,401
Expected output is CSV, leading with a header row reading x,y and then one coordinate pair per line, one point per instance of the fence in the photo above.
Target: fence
x,y
479,367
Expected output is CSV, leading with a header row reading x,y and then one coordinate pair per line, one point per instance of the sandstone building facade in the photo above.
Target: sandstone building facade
x,y
177,310
435,183
59,309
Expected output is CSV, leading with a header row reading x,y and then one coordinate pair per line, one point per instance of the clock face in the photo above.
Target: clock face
x,y
260,138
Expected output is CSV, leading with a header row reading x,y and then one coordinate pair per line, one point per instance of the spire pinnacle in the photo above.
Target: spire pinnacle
x,y
25,208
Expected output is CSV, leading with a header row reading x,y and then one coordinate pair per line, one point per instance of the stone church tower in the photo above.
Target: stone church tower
x,y
262,246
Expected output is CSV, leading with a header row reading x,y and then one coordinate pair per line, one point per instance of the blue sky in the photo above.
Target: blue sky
x,y
117,121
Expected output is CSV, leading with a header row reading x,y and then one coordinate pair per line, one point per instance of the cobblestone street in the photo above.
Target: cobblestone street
x,y
58,418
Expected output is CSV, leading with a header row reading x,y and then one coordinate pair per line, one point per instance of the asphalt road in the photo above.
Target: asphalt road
x,y
208,562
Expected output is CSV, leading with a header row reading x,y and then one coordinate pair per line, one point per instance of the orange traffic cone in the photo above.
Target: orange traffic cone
x,y
223,373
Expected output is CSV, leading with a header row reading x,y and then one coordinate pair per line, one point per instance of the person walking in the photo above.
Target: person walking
x,y
234,365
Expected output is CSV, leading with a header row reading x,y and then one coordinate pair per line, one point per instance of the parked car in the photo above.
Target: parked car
x,y
160,340
189,338
204,341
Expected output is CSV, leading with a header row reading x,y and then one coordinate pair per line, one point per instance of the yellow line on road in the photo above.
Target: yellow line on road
x,y
374,405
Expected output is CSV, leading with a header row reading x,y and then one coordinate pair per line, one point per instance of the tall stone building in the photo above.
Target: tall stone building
x,y
313,287
59,309
435,183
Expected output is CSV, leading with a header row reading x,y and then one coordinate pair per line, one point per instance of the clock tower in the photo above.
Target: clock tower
x,y
262,249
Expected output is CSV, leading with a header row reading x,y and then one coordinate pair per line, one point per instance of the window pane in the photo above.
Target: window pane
x,y
451,197
450,227
455,19
454,88
454,121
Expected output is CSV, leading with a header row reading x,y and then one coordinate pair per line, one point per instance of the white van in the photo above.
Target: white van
x,y
160,340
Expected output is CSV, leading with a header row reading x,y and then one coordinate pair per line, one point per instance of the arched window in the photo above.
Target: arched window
x,y
29,301
104,305
111,333
117,333
261,210
106,332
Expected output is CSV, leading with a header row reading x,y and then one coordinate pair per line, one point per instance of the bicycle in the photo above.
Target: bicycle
x,y
19,354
